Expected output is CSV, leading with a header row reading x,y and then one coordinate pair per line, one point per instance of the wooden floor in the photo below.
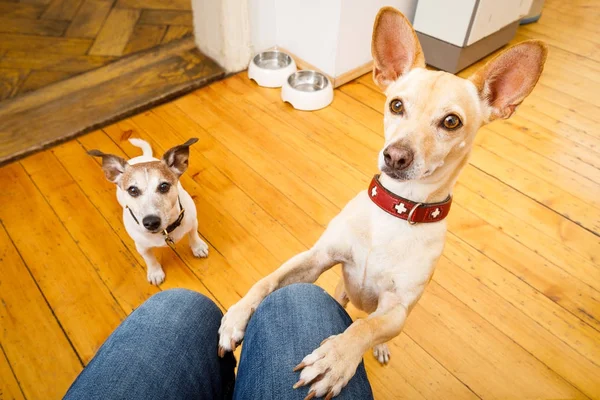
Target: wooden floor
x,y
71,66
45,41
513,311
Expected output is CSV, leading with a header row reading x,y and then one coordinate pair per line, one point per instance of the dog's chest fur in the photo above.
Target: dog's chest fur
x,y
383,253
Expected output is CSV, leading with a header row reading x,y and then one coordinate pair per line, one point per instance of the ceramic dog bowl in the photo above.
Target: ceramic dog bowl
x,y
307,90
271,68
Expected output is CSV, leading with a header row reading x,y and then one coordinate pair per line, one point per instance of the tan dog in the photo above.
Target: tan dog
x,y
157,211
390,237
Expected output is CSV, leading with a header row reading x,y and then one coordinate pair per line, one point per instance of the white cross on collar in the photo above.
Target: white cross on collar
x,y
435,213
400,209
374,191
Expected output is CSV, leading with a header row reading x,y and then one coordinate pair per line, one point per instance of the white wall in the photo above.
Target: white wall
x,y
333,35
222,31
309,29
356,28
263,26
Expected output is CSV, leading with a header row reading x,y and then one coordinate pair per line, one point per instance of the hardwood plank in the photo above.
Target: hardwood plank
x,y
175,32
297,220
31,337
39,79
301,193
541,343
166,17
518,292
565,115
55,262
528,211
40,2
63,10
32,26
21,10
42,44
120,271
9,387
89,19
484,359
10,81
554,147
136,82
542,167
144,37
185,5
115,32
112,71
550,249
573,295
53,62
551,196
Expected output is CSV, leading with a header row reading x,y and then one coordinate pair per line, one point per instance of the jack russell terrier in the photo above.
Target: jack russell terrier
x,y
390,237
157,211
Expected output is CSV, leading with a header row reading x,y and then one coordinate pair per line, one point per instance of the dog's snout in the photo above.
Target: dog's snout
x,y
398,157
151,222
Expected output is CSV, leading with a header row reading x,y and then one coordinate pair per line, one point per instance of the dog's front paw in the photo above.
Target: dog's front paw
x,y
330,367
233,327
382,353
200,249
156,276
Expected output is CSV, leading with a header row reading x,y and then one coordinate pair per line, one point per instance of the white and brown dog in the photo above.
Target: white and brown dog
x,y
157,211
390,237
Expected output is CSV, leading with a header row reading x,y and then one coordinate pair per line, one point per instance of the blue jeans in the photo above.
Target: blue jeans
x,y
167,349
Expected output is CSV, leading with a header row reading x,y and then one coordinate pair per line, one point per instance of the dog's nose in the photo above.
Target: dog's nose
x,y
398,157
151,222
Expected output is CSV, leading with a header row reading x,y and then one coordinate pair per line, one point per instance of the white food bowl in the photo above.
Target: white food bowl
x,y
307,90
271,68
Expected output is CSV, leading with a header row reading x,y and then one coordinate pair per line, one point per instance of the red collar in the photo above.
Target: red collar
x,y
405,209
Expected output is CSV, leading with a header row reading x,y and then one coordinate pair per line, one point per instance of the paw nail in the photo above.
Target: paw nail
x,y
233,345
329,395
299,367
298,384
310,395
221,352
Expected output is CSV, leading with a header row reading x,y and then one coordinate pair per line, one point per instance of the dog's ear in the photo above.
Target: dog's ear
x,y
177,157
112,166
504,82
395,47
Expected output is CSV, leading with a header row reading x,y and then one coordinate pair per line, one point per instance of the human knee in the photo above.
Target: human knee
x,y
174,302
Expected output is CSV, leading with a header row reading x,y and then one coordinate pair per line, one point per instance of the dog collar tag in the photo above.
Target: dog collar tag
x,y
169,241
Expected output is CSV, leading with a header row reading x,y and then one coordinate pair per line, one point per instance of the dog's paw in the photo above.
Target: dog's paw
x,y
156,277
200,249
382,353
233,327
329,368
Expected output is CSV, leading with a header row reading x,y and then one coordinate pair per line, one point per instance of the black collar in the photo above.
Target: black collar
x,y
171,227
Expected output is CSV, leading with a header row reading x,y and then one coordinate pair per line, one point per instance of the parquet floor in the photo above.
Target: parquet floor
x,y
513,311
71,66
45,41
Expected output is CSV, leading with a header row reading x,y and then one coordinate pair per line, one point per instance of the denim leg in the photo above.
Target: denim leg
x,y
166,349
287,326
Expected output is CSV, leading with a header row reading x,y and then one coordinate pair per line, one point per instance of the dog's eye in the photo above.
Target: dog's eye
x,y
133,191
164,187
452,122
396,107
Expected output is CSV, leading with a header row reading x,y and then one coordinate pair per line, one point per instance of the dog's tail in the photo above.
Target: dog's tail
x,y
142,144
